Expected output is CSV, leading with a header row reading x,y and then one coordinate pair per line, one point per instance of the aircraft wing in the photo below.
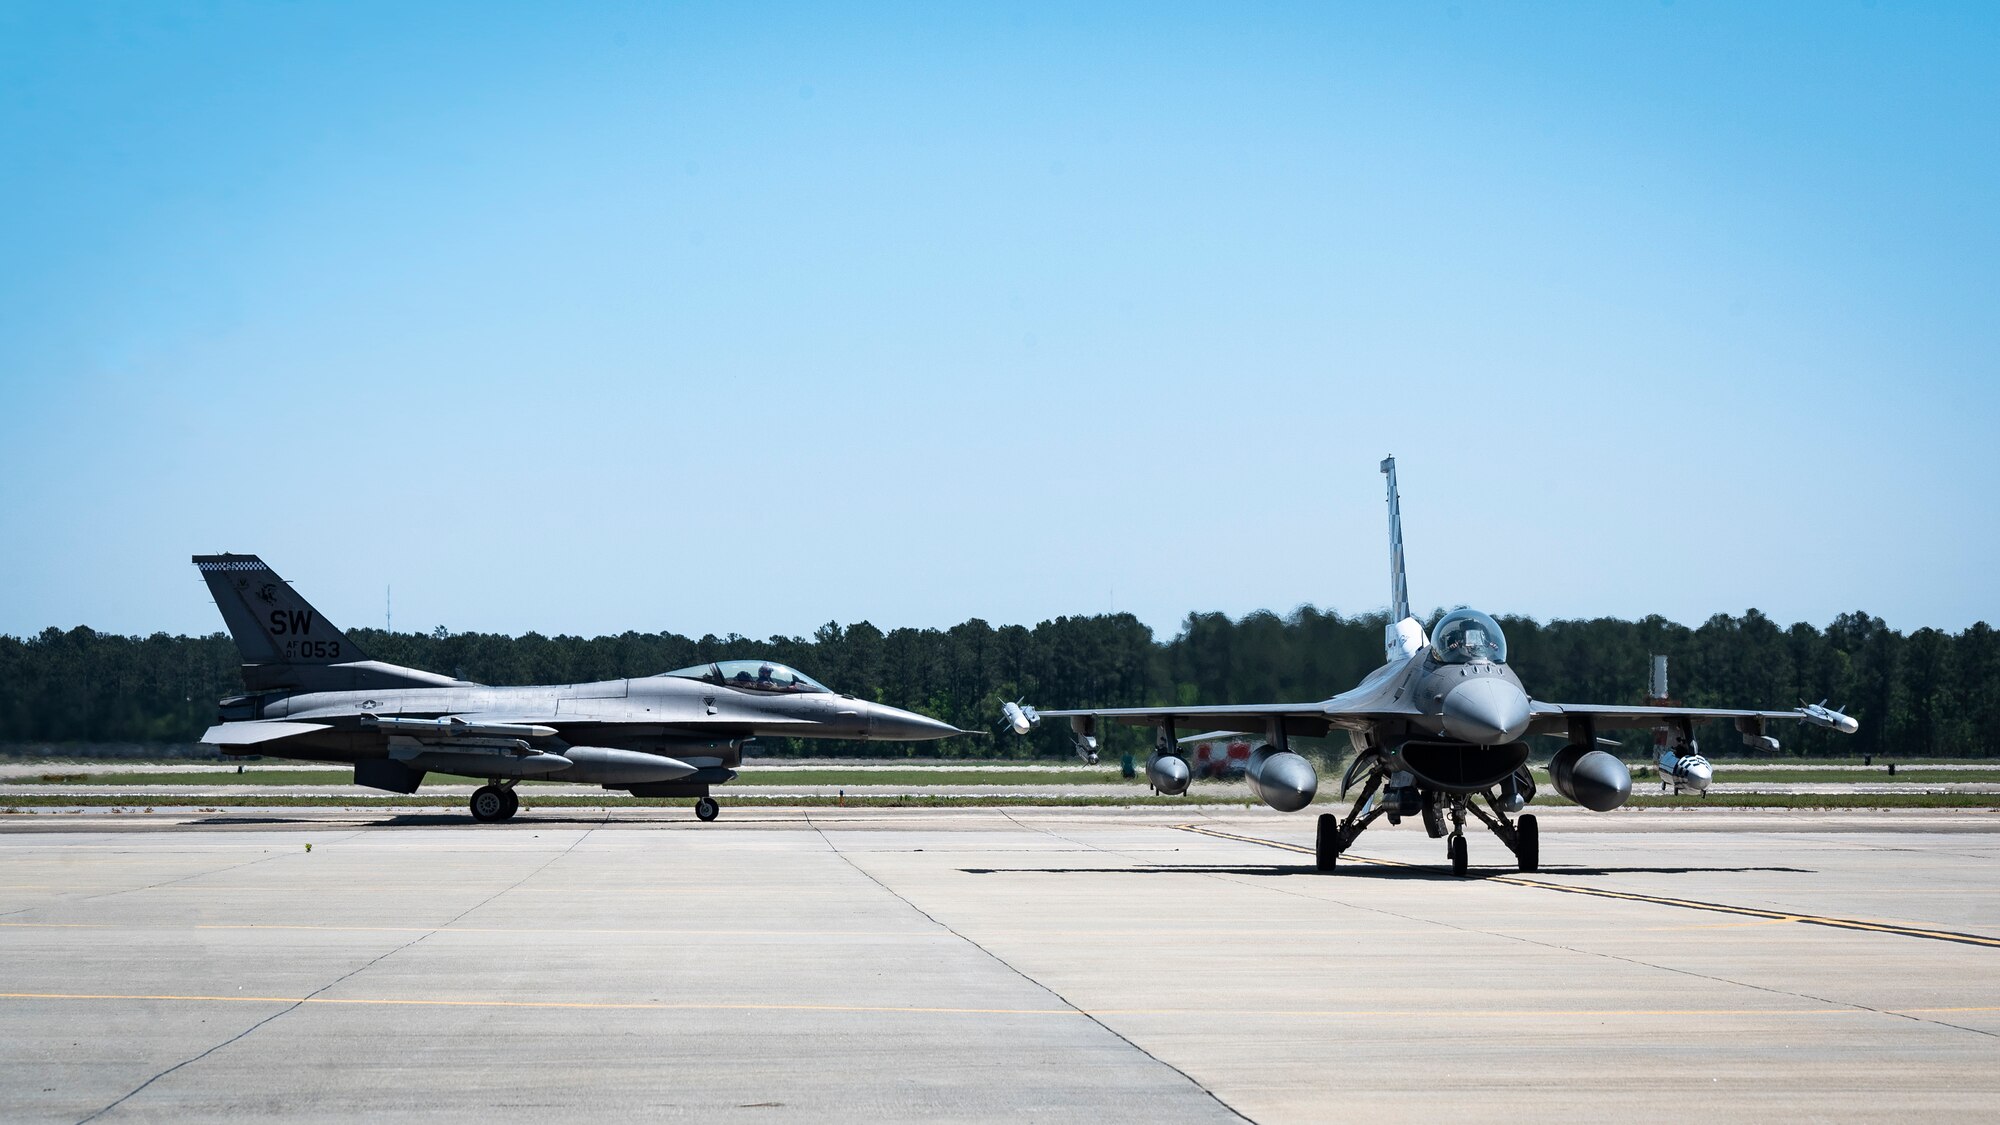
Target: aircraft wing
x,y
1308,720
1552,718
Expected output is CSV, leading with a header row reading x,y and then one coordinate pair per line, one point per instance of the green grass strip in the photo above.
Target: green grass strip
x,y
1805,801
1877,776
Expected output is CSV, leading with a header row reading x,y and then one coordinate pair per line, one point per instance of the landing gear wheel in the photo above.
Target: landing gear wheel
x,y
1433,817
1528,843
513,803
706,808
489,804
1326,844
1458,861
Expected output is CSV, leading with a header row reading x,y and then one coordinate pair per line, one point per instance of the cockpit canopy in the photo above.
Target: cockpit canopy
x,y
1466,635
754,675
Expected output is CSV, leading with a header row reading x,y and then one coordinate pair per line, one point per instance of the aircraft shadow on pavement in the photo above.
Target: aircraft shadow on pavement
x,y
254,821
417,820
1369,871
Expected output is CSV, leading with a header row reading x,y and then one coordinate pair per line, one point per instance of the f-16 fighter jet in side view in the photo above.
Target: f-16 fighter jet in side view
x,y
316,697
1438,733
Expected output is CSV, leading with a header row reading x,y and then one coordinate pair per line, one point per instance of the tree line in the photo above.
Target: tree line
x,y
1924,694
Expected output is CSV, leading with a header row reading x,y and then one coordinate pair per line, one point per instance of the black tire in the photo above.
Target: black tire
x,y
1326,843
489,804
1528,843
513,803
706,808
1458,860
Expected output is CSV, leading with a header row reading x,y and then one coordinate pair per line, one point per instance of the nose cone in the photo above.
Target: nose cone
x,y
1486,711
889,724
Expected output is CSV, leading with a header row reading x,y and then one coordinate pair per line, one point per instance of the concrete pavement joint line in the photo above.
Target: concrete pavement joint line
x,y
1294,1013
1016,821
200,874
1659,900
134,1091
1009,966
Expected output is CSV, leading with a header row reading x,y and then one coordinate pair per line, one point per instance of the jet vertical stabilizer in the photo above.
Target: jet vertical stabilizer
x,y
1404,635
285,642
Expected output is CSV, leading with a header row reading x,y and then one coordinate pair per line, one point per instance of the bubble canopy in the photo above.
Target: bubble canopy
x,y
755,675
1467,635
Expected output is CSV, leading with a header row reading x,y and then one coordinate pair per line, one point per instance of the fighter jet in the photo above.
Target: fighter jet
x,y
316,697
1439,734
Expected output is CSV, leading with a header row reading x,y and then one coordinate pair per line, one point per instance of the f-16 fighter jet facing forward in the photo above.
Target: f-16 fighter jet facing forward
x,y
316,697
1437,732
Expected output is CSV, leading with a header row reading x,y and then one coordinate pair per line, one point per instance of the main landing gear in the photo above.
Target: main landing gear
x,y
495,802
1327,845
1522,835
706,808
1335,835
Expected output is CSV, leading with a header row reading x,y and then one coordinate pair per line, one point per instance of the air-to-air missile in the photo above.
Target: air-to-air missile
x,y
1820,715
1021,717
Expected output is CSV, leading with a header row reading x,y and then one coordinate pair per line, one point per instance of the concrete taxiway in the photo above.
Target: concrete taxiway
x,y
1060,964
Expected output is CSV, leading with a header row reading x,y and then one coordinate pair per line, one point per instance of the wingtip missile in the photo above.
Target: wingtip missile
x,y
1831,718
1019,716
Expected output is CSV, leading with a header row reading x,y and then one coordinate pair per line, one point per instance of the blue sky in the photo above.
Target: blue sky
x,y
739,317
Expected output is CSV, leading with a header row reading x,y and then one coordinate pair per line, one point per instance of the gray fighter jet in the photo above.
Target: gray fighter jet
x,y
1438,733
316,697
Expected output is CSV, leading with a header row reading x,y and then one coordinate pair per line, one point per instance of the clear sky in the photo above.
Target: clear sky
x,y
737,317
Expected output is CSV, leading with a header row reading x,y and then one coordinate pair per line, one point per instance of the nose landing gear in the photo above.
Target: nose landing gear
x,y
1455,847
706,809
1335,835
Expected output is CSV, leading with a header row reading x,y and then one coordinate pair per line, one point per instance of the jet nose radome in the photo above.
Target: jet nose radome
x,y
889,724
1486,711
